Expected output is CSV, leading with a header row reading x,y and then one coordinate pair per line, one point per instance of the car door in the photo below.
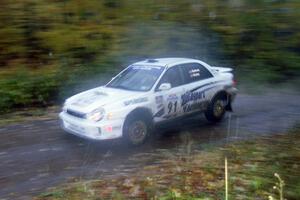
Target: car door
x,y
168,101
198,87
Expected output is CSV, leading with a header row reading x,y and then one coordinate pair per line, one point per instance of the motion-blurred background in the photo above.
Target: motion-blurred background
x,y
51,49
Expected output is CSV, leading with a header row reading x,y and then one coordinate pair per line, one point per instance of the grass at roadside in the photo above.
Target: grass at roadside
x,y
29,114
194,174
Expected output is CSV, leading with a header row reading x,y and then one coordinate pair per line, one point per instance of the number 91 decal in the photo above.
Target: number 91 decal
x,y
172,107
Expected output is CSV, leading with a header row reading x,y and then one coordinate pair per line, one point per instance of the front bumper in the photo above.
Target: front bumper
x,y
103,130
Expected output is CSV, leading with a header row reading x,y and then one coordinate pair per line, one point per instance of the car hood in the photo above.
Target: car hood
x,y
90,100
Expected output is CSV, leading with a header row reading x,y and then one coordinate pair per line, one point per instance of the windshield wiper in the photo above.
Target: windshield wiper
x,y
118,86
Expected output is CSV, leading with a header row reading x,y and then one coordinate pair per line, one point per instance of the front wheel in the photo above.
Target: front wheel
x,y
216,109
136,131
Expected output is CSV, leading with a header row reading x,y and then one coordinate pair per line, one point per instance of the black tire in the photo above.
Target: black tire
x,y
136,131
216,108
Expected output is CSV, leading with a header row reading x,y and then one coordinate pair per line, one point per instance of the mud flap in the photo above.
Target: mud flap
x,y
229,107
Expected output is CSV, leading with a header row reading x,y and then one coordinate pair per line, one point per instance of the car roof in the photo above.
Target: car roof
x,y
164,62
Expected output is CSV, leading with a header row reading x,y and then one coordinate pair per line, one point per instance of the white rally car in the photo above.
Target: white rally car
x,y
146,94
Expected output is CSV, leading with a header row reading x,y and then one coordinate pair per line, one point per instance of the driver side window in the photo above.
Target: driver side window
x,y
172,76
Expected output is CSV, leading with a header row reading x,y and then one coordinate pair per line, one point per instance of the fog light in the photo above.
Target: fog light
x,y
108,128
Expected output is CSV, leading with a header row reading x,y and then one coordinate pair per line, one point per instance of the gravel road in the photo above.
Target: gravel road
x,y
37,155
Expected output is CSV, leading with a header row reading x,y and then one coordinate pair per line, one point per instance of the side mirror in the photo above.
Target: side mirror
x,y
165,86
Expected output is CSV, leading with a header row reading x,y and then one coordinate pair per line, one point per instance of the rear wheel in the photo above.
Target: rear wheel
x,y
216,109
136,131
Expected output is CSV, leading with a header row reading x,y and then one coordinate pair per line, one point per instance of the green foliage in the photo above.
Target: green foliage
x,y
61,47
54,194
26,90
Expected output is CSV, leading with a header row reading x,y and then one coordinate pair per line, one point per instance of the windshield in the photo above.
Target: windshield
x,y
137,78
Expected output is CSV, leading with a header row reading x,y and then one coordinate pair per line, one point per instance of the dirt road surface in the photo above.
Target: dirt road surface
x,y
37,155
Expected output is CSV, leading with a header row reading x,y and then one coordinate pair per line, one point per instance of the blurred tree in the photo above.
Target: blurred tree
x,y
62,44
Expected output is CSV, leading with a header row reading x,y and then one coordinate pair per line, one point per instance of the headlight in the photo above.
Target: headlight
x,y
96,115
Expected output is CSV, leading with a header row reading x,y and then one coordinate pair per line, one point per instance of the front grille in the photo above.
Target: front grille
x,y
75,114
